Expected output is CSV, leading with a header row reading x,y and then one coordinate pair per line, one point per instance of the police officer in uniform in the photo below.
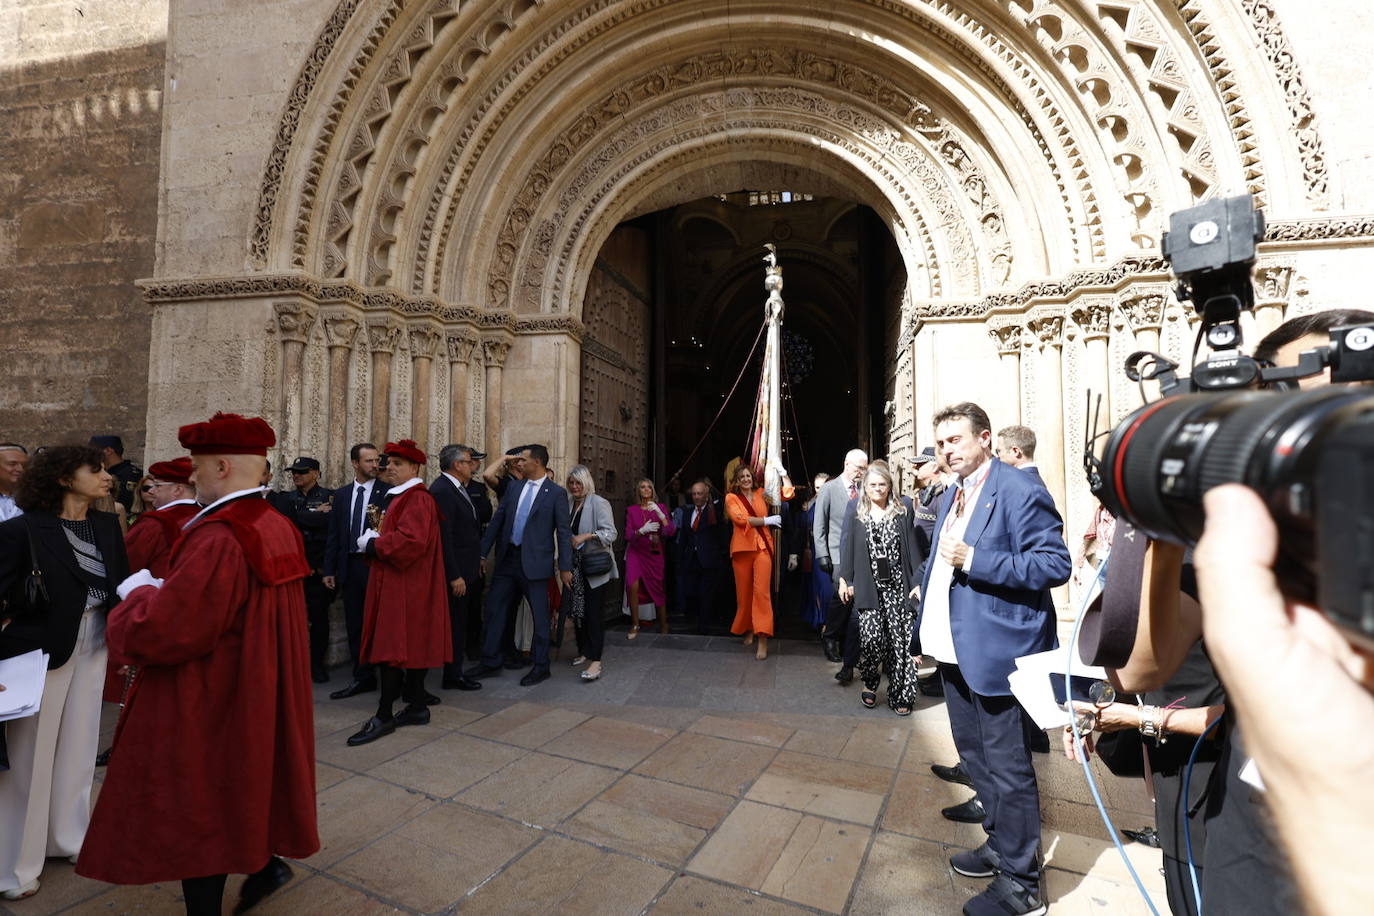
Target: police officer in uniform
x,y
308,506
126,474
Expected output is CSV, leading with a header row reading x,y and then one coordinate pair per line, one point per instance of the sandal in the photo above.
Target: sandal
x,y
902,710
580,660
634,631
868,698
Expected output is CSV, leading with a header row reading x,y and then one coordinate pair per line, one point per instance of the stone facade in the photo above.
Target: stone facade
x,y
345,182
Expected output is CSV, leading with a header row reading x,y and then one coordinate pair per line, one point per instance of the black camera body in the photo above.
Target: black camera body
x,y
1309,454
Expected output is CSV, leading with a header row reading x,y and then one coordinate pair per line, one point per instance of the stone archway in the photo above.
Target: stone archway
x,y
442,175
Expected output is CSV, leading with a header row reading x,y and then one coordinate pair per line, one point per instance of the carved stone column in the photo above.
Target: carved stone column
x,y
294,321
1272,284
1144,311
495,353
459,353
1049,431
1094,316
424,343
340,333
1007,337
382,336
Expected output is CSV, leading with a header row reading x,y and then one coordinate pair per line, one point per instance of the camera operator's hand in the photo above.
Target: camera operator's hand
x,y
1313,743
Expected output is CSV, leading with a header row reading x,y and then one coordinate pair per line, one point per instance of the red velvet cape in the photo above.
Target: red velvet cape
x,y
149,545
215,770
405,620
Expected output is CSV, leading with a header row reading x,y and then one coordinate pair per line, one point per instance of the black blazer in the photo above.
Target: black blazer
x,y
857,570
337,544
461,531
54,630
710,542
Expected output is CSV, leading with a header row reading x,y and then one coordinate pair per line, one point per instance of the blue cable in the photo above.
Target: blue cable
x,y
1083,757
1186,803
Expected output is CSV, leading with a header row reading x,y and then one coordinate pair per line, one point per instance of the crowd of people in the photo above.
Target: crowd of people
x,y
100,563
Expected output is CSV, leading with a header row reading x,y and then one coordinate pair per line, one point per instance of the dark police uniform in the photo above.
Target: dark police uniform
x,y
303,508
126,476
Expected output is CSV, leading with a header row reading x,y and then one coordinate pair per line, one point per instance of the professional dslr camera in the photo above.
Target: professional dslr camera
x,y
1309,454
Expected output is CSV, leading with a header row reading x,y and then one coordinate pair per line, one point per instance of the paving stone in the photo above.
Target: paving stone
x,y
826,787
708,763
357,811
692,896
333,748
563,876
320,895
609,742
877,743
539,789
914,806
447,765
648,817
526,724
904,875
742,729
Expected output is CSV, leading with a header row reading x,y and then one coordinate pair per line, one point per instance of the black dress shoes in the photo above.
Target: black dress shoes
x,y
462,682
103,758
413,715
831,647
516,664
845,676
534,677
954,774
353,689
970,812
430,699
374,729
482,671
261,883
932,686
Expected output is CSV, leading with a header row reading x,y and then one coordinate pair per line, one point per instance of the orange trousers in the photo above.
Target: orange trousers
x,y
753,592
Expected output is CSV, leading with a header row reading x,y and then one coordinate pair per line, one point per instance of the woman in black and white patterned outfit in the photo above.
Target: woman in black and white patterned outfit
x,y
45,798
879,570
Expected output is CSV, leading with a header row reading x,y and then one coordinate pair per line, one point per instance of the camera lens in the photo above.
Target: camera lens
x,y
1162,458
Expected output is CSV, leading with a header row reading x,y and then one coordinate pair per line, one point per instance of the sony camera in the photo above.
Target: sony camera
x,y
1309,454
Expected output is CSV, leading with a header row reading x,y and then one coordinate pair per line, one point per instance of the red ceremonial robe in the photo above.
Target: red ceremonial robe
x,y
405,620
218,772
149,545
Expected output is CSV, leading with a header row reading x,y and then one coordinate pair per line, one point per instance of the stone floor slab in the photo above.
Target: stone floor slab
x,y
692,896
879,743
526,724
829,788
333,748
357,811
743,729
318,895
561,876
539,789
904,875
914,806
647,817
609,742
710,763
448,765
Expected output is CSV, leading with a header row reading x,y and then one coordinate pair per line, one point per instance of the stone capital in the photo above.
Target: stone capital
x,y
495,352
295,319
382,335
460,347
1095,318
1007,337
424,342
340,330
1048,328
1272,283
1144,310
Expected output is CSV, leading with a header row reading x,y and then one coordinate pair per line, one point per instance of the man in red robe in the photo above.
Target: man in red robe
x,y
217,774
405,620
149,542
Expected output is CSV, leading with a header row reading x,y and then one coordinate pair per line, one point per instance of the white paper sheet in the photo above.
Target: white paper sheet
x,y
1030,684
23,677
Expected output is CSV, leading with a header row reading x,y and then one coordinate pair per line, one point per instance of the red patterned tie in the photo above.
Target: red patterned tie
x,y
959,503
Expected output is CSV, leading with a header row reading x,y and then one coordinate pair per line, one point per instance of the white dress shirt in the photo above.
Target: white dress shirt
x,y
8,508
937,637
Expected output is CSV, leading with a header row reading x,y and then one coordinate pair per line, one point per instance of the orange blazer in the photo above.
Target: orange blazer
x,y
745,537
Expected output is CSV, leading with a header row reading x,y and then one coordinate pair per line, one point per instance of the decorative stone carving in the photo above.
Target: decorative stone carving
x,y
340,331
294,320
1049,329
383,335
424,342
1144,311
1272,282
1094,318
1007,337
495,352
460,347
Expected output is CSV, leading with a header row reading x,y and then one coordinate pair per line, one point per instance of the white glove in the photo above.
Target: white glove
x,y
649,528
791,562
773,520
137,580
366,536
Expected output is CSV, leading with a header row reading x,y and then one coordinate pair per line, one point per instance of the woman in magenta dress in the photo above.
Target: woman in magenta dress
x,y
648,526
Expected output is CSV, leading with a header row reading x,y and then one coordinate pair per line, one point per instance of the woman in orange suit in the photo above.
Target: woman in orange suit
x,y
751,555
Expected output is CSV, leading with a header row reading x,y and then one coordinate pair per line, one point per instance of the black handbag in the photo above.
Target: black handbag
x,y
597,563
35,593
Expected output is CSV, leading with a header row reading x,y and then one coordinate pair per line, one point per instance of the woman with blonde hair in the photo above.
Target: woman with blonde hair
x,y
647,524
879,570
593,533
751,556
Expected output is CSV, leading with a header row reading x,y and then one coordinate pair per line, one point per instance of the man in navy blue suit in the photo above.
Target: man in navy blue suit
x,y
345,567
703,542
460,526
997,552
530,531
1016,447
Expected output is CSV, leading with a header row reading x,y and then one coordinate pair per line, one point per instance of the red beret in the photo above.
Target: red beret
x,y
228,434
406,449
177,470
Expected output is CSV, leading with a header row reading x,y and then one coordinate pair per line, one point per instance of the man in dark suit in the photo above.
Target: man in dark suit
x,y
1016,447
345,566
481,498
460,526
529,532
703,542
831,503
308,506
985,601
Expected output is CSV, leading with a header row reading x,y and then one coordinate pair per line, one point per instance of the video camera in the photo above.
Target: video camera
x,y
1309,454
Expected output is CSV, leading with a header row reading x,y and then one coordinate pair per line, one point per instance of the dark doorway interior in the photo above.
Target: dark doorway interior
x,y
673,310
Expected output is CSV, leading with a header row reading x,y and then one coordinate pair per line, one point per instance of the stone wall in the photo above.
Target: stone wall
x,y
81,91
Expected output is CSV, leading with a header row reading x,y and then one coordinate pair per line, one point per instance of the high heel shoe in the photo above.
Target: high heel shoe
x,y
634,631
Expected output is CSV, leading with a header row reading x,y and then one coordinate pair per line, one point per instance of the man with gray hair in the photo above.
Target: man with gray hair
x,y
460,528
13,459
831,503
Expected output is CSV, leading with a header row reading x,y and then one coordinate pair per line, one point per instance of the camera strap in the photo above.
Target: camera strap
x,y
1109,625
